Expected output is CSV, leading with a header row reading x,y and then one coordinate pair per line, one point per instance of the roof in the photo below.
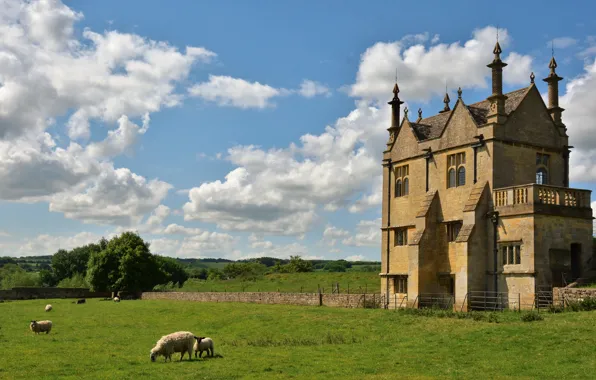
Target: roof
x,y
432,127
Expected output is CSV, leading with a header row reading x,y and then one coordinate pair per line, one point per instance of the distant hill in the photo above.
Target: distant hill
x,y
36,263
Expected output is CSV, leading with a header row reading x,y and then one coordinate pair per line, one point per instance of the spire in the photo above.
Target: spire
x,y
553,92
395,105
446,100
496,112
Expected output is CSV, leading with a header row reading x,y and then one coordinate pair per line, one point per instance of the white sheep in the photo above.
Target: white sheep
x,y
203,344
48,307
181,341
41,326
116,299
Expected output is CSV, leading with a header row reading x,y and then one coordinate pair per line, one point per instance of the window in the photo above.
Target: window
x,y
402,182
401,236
511,253
456,169
400,284
542,161
453,230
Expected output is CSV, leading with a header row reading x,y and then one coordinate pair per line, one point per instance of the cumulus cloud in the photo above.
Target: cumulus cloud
x,y
562,42
47,244
279,190
332,233
310,89
578,101
422,70
368,234
47,71
355,258
235,92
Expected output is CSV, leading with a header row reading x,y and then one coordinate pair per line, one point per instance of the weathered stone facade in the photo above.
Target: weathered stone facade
x,y
476,198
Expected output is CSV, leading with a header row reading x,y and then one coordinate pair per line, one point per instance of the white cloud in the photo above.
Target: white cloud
x,y
422,71
578,101
228,91
48,245
278,191
368,234
562,42
332,233
309,89
355,258
112,78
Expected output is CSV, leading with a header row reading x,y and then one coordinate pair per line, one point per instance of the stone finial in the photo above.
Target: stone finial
x,y
532,77
446,100
406,112
459,92
552,65
419,113
395,90
497,51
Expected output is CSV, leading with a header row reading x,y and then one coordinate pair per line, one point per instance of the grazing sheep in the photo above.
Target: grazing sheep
x,y
116,299
181,341
203,344
41,326
48,307
80,301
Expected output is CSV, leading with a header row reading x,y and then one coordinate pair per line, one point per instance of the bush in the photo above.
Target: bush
x,y
11,276
76,281
582,304
169,287
531,316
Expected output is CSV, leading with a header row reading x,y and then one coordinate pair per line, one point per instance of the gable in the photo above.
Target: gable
x,y
406,144
531,122
460,127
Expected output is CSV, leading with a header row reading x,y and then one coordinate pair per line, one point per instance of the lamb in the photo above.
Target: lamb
x,y
48,307
181,341
203,344
116,299
41,326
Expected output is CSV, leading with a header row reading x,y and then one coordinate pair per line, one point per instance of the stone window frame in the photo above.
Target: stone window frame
x,y
400,237
402,181
510,252
542,168
456,169
453,229
400,284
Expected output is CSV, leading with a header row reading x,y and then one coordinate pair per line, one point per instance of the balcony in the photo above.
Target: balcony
x,y
542,199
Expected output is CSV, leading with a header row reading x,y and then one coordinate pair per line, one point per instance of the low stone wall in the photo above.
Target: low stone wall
x,y
306,299
561,295
43,293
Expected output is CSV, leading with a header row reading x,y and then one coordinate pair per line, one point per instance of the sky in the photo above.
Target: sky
x,y
242,129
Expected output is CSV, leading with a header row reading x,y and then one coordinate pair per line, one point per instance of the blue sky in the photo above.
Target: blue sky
x,y
262,138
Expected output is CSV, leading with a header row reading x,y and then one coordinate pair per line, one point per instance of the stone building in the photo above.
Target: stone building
x,y
476,199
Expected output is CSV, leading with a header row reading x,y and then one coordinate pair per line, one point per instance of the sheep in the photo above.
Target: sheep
x,y
203,344
116,299
41,326
80,301
181,341
48,307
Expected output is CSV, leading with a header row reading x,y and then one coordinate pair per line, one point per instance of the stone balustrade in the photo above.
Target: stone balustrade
x,y
533,194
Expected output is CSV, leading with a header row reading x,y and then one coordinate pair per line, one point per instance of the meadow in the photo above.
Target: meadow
x,y
308,282
107,340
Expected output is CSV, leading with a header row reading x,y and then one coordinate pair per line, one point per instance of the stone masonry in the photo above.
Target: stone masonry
x,y
476,198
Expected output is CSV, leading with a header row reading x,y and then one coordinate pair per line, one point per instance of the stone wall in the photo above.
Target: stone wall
x,y
305,299
561,295
35,293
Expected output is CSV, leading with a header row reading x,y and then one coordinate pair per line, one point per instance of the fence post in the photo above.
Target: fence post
x,y
348,288
519,302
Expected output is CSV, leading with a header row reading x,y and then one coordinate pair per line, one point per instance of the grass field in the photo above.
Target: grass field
x,y
105,340
357,282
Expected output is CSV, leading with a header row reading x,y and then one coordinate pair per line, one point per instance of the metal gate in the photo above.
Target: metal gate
x,y
488,301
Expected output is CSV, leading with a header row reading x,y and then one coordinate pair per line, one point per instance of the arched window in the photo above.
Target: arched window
x,y
461,176
451,178
406,186
398,188
541,176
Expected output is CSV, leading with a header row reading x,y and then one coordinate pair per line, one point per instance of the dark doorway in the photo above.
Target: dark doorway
x,y
576,266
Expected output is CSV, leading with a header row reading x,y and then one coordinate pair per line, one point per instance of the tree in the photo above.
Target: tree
x,y
47,278
66,264
11,275
297,264
127,264
174,272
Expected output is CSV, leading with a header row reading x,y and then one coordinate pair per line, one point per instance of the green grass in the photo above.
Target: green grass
x,y
105,340
358,282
